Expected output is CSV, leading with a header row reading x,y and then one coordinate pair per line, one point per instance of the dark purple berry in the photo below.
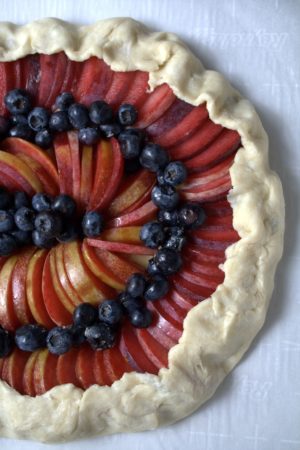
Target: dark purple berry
x,y
17,101
168,261
43,139
59,340
31,337
157,288
152,234
127,114
89,135
24,218
41,202
92,224
175,173
78,116
100,336
110,312
38,119
153,157
101,113
135,285
165,197
59,121
85,315
48,224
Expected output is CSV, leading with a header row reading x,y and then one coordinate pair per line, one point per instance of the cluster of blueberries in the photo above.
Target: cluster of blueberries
x,y
38,124
42,221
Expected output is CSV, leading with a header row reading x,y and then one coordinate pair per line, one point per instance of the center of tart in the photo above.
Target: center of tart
x,y
150,245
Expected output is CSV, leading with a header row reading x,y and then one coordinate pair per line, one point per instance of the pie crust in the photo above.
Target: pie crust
x,y
220,329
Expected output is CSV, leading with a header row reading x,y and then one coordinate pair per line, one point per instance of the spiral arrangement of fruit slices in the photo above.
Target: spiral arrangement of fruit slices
x,y
45,286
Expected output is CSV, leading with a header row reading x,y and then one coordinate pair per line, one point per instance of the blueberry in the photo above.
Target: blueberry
x,y
7,222
152,267
20,199
78,336
78,116
19,119
63,101
160,177
165,197
89,136
92,224
110,130
175,173
65,205
43,139
191,215
4,198
127,114
176,239
17,101
167,217
41,202
4,125
24,218
100,336
168,261
6,342
140,317
59,121
130,142
131,165
128,302
22,237
59,340
49,224
8,244
31,337
101,113
69,233
41,241
22,132
157,288
135,285
110,312
38,119
85,315
152,234
153,157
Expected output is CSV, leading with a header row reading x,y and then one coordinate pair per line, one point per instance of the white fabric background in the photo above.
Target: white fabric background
x,y
256,45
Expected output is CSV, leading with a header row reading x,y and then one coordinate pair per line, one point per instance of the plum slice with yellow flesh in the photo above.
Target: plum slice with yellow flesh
x,y
19,275
94,81
13,369
44,372
8,317
34,293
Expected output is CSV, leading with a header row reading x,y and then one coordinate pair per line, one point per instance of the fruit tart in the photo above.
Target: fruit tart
x,y
140,229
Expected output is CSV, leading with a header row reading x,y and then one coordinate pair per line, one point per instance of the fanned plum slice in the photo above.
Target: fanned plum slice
x,y
94,82
66,301
34,292
84,366
6,82
71,293
121,82
55,309
28,380
63,156
48,64
71,76
108,174
13,369
44,372
137,92
133,352
65,369
156,353
98,366
58,79
115,364
139,216
76,165
30,70
86,175
19,274
8,317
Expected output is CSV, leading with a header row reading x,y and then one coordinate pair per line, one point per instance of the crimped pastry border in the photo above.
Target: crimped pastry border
x,y
219,330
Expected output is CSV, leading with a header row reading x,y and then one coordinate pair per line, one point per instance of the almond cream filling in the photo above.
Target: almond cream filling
x,y
219,330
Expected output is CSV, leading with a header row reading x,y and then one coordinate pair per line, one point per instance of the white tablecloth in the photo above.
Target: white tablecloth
x,y
256,45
